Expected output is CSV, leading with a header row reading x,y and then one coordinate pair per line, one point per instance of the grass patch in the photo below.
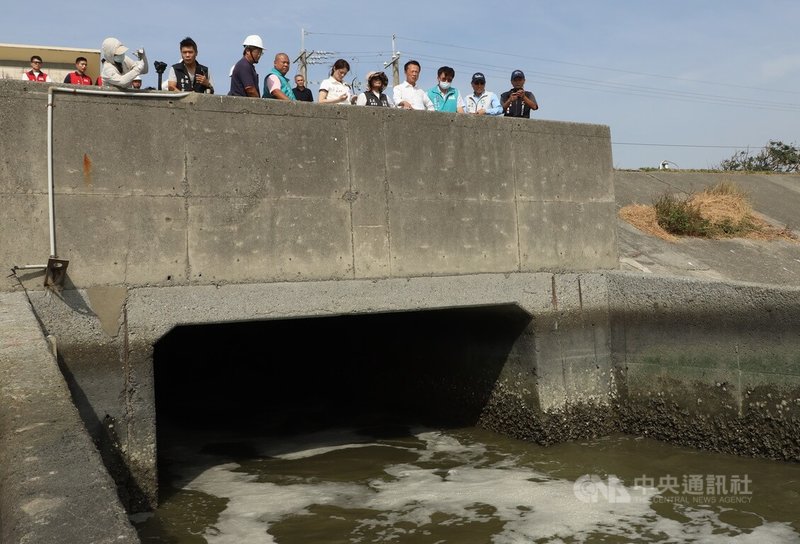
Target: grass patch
x,y
680,216
720,211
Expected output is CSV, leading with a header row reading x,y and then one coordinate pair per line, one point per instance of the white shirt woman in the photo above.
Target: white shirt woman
x,y
334,90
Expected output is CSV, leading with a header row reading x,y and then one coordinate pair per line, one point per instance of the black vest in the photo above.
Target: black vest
x,y
517,108
373,100
185,82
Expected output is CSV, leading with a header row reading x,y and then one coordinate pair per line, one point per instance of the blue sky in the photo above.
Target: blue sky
x,y
704,74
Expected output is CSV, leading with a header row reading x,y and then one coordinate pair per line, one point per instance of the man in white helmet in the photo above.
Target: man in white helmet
x,y
244,78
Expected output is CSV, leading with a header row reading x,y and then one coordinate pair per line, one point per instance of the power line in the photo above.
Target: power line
x,y
633,90
565,63
365,53
594,85
619,70
689,145
348,35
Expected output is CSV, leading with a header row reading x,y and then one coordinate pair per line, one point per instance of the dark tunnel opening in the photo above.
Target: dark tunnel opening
x,y
222,389
294,375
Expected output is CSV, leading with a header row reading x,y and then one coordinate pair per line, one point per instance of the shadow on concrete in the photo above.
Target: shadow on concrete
x,y
103,432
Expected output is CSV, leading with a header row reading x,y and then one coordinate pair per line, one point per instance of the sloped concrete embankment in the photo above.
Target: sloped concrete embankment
x,y
775,197
53,485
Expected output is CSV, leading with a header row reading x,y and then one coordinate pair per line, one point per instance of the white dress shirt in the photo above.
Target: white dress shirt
x,y
416,97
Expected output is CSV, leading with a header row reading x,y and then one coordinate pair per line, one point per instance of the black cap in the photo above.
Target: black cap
x,y
517,74
477,76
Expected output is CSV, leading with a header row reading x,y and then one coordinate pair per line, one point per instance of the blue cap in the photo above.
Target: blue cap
x,y
517,74
477,76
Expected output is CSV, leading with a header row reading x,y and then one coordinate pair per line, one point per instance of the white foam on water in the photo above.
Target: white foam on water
x,y
705,526
299,446
253,505
313,452
530,505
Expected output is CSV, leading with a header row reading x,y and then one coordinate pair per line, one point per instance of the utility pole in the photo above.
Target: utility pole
x,y
310,57
394,63
302,59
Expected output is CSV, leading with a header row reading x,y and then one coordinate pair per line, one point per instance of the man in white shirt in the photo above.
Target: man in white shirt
x,y
407,95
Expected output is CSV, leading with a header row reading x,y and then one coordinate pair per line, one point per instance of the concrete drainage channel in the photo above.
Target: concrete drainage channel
x,y
702,363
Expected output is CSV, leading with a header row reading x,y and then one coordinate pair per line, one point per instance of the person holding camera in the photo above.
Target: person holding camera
x,y
518,102
189,75
120,70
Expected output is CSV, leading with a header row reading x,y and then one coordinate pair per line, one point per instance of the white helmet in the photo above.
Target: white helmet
x,y
253,40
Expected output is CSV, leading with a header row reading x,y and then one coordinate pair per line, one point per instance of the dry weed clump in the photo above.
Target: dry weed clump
x,y
721,211
643,217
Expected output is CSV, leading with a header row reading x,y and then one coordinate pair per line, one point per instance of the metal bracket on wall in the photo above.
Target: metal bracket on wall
x,y
55,273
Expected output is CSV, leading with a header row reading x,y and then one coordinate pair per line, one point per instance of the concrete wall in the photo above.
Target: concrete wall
x,y
703,363
708,364
214,189
220,210
562,357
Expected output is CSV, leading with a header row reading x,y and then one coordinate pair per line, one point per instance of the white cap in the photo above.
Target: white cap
x,y
137,78
254,40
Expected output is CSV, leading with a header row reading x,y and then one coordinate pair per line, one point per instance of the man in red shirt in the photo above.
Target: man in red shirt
x,y
35,73
79,77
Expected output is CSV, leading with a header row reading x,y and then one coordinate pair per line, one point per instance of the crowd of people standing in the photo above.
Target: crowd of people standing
x,y
516,102
120,70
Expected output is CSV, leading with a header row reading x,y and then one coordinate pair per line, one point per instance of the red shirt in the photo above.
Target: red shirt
x,y
77,79
34,77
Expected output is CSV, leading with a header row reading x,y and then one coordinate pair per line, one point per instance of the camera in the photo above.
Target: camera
x,y
160,67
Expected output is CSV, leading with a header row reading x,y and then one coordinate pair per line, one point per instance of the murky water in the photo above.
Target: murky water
x,y
411,486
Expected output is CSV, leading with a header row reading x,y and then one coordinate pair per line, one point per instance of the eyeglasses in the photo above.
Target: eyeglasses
x,y
36,62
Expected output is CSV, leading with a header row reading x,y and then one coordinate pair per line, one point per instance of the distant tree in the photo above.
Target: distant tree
x,y
775,157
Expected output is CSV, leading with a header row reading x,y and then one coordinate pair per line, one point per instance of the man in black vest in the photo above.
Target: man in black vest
x,y
189,75
518,102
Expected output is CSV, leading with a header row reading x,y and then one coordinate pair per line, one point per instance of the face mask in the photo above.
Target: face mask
x,y
119,58
444,85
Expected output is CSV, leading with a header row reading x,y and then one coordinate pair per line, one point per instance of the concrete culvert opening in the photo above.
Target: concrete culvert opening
x,y
333,402
433,368
221,389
